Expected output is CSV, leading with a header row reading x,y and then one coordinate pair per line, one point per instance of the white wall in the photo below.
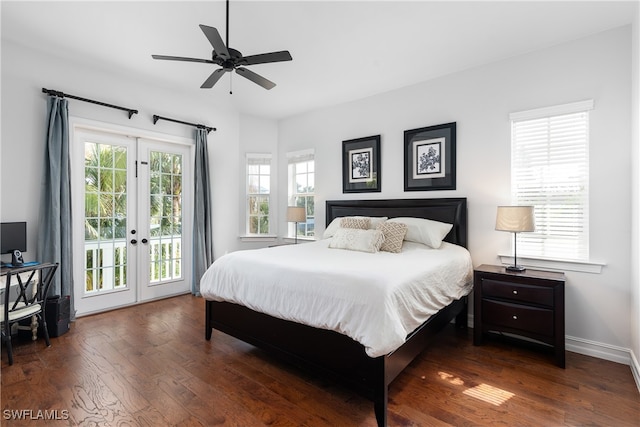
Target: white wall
x,y
258,135
25,72
480,100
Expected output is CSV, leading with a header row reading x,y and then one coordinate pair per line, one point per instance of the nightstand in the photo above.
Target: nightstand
x,y
526,304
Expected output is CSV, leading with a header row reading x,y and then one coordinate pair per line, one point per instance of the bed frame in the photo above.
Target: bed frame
x,y
331,354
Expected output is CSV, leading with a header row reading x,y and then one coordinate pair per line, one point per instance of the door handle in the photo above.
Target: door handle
x,y
134,241
144,241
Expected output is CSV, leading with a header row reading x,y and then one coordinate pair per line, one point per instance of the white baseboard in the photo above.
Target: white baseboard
x,y
635,369
598,349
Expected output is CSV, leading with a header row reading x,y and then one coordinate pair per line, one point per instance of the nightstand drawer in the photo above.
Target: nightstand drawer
x,y
517,292
513,316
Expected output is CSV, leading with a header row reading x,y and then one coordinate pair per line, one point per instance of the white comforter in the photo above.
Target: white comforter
x,y
376,299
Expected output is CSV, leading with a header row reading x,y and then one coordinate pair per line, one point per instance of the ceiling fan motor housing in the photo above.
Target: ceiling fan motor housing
x,y
228,64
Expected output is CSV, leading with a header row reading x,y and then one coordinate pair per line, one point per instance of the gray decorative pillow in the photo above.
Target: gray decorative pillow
x,y
394,233
355,222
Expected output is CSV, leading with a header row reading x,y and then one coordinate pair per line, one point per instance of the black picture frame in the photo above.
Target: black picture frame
x,y
430,158
361,165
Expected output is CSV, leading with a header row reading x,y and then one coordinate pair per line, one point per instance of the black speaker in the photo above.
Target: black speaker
x,y
58,314
16,258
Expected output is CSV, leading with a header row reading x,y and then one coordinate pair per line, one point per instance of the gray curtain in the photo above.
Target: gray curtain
x,y
54,231
202,226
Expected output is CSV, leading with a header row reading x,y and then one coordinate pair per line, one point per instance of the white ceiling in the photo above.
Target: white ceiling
x,y
342,50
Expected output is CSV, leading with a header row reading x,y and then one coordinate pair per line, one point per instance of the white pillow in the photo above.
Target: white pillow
x,y
355,239
335,224
424,231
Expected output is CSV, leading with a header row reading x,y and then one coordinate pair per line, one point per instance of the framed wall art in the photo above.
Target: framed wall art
x,y
361,165
430,158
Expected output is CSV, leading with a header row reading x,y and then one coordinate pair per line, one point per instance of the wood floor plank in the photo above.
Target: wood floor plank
x,y
161,398
150,365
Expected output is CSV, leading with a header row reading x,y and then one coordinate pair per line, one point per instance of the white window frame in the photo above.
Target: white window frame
x,y
548,247
293,159
258,159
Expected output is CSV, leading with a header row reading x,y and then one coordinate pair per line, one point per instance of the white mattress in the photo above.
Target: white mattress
x,y
376,299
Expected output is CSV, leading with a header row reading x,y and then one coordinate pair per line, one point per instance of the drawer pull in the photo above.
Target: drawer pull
x,y
515,317
515,292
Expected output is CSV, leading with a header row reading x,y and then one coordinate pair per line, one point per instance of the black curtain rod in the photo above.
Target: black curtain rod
x,y
65,95
199,126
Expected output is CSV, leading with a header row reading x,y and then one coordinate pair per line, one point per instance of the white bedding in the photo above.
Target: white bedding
x,y
376,299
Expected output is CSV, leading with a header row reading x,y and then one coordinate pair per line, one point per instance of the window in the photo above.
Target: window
x,y
301,188
550,170
258,193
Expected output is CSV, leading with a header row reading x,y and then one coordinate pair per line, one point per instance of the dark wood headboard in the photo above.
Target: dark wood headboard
x,y
449,210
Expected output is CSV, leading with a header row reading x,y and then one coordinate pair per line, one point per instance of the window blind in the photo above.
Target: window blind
x,y
258,159
300,156
550,170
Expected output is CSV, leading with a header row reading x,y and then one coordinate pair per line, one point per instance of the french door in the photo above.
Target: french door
x,y
132,242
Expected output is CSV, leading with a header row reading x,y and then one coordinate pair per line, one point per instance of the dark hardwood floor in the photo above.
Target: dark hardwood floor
x,y
150,365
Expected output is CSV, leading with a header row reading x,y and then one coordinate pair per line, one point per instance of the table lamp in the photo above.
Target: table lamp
x,y
296,214
515,219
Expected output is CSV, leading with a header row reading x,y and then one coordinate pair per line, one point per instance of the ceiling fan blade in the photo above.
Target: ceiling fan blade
x,y
181,58
213,79
264,58
256,78
216,41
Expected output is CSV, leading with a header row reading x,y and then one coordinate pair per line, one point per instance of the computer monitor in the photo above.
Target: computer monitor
x,y
13,240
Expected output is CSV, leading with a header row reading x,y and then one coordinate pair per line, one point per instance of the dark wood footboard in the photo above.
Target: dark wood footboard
x,y
327,353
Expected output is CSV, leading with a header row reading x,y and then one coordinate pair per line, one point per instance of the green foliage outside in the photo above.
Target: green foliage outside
x,y
106,198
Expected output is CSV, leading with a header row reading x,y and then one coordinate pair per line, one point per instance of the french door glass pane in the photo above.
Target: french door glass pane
x,y
105,226
165,202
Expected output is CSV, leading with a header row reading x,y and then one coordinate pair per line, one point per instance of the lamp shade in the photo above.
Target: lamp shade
x,y
296,214
515,219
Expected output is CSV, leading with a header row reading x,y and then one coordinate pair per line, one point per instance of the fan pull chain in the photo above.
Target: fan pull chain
x,y
230,83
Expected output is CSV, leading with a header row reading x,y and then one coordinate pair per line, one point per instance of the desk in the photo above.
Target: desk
x,y
3,284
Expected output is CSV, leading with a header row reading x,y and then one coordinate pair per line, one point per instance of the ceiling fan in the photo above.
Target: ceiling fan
x,y
230,59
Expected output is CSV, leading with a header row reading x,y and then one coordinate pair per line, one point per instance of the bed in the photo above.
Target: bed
x,y
334,354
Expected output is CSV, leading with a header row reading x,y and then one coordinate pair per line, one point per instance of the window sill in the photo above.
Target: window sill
x,y
300,239
594,267
258,238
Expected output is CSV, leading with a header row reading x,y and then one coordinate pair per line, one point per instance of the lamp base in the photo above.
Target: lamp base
x,y
516,268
